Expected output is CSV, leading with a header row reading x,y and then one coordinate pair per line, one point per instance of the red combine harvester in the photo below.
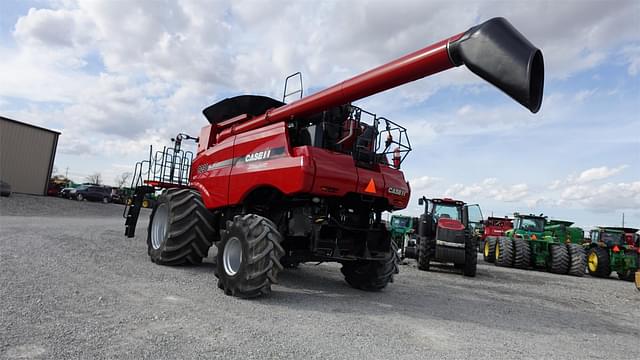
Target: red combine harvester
x,y
493,228
275,184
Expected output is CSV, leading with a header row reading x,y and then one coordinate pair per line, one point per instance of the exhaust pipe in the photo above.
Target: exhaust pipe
x,y
501,55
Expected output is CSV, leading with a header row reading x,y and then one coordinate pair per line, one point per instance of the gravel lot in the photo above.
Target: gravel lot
x,y
72,286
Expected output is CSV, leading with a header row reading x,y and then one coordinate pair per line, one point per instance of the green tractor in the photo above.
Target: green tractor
x,y
401,229
535,242
613,249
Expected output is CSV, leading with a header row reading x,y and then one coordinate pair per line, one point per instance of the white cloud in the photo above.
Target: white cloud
x,y
599,173
489,188
603,197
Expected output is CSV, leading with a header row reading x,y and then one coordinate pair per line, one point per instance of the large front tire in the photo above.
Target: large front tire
x,y
489,249
559,259
522,256
249,253
425,253
470,257
180,228
598,262
578,260
371,275
504,252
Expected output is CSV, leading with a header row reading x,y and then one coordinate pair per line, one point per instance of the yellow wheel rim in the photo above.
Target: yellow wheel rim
x,y
497,250
486,248
145,204
593,262
128,201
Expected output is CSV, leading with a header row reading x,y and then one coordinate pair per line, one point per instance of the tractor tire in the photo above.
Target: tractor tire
x,y
180,228
489,249
559,259
397,258
628,275
522,254
504,252
425,253
470,257
249,253
577,258
598,262
371,275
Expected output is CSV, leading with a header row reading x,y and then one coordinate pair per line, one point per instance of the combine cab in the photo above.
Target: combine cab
x,y
492,229
445,235
613,249
533,243
274,183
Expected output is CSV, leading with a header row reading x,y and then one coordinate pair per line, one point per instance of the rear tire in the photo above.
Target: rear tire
x,y
559,259
504,252
578,260
489,249
79,197
371,275
425,253
522,256
598,262
180,229
249,253
628,275
470,257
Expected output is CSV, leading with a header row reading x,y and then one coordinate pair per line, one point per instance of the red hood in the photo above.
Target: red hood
x,y
450,224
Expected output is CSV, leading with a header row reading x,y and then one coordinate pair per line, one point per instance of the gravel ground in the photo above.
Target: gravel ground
x,y
72,286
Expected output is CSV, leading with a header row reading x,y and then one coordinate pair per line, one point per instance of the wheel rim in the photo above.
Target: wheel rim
x,y
486,248
497,250
159,226
232,256
80,197
593,262
145,204
105,200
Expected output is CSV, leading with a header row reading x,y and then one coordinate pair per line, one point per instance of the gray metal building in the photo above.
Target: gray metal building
x,y
27,153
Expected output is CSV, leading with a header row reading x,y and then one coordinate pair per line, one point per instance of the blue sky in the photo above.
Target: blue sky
x,y
116,76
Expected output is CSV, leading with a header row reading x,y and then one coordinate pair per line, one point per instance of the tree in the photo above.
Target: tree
x,y
95,178
122,179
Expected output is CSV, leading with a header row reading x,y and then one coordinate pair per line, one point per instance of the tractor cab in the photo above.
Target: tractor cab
x,y
607,237
450,214
528,226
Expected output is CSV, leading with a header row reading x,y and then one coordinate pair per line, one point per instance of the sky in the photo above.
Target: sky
x,y
117,76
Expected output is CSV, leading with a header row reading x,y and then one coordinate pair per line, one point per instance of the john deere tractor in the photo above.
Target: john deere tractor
x,y
401,228
613,249
532,243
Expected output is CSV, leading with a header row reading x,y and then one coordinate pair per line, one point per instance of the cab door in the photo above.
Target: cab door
x,y
472,217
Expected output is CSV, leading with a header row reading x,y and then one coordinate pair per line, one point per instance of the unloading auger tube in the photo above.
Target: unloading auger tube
x,y
493,50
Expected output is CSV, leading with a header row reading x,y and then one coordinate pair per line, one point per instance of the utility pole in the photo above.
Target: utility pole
x,y
622,219
66,173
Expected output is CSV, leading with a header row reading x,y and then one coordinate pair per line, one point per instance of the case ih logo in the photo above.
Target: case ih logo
x,y
398,192
260,155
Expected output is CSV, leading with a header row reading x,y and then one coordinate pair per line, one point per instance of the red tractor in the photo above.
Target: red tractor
x,y
275,184
445,234
493,228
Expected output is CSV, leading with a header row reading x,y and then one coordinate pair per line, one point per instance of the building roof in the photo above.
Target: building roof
x,y
29,125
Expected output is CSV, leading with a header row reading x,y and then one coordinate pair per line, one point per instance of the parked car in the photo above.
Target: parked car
x,y
5,188
91,192
66,193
